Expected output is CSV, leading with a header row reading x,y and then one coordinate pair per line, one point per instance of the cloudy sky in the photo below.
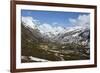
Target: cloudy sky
x,y
63,19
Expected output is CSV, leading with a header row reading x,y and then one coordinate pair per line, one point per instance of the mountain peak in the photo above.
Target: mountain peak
x,y
29,22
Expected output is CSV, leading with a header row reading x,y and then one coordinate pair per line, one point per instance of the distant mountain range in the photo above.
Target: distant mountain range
x,y
57,34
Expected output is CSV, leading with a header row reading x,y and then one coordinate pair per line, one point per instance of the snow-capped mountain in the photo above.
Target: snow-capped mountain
x,y
45,42
77,36
29,22
45,29
58,34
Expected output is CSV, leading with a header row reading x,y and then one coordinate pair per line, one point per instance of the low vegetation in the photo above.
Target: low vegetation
x,y
33,45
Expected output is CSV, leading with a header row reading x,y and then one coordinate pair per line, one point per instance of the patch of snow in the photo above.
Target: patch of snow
x,y
75,35
29,22
37,59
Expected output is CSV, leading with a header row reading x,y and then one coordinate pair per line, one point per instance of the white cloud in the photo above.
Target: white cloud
x,y
59,29
45,28
82,21
72,20
29,21
49,29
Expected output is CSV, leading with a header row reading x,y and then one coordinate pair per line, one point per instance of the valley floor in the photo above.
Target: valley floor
x,y
56,55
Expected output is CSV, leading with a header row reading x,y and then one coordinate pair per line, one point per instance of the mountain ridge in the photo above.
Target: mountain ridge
x,y
57,34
